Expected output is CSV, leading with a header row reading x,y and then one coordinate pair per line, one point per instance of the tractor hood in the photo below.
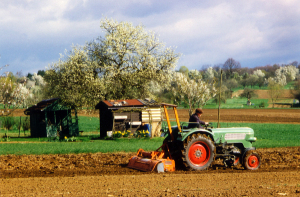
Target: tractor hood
x,y
234,135
243,135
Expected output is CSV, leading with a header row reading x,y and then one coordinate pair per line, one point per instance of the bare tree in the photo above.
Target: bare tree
x,y
217,67
294,63
230,66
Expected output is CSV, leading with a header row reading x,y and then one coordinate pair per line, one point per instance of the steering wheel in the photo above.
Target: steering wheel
x,y
208,125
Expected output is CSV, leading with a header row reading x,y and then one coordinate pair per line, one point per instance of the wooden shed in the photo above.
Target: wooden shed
x,y
121,115
49,118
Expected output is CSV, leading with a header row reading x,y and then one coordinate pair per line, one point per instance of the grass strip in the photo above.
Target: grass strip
x,y
104,146
268,136
236,103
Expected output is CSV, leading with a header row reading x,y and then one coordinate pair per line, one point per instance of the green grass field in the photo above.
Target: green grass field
x,y
268,135
236,103
89,126
232,103
288,86
93,146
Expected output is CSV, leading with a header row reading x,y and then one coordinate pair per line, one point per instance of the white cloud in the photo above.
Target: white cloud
x,y
254,32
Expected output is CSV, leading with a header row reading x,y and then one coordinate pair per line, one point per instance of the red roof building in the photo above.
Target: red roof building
x,y
122,115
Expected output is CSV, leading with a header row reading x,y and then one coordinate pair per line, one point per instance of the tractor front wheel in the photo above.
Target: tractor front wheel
x,y
251,161
198,152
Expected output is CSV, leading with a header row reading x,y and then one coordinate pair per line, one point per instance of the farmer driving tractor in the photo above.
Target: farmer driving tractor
x,y
195,121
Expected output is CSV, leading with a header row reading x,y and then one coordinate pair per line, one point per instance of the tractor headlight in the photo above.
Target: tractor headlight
x,y
252,139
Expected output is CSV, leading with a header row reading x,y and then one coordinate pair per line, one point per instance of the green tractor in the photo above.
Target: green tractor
x,y
196,149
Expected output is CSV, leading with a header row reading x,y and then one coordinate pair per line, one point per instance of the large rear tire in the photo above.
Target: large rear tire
x,y
198,152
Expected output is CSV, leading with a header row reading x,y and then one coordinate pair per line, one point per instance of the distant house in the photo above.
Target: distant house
x,y
49,118
121,115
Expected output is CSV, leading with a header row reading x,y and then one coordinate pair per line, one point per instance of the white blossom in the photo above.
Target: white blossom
x,y
129,58
195,92
210,73
39,80
286,73
259,73
21,95
277,80
194,74
73,80
291,72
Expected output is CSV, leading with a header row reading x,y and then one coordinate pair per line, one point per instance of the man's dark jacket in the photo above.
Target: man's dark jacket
x,y
195,122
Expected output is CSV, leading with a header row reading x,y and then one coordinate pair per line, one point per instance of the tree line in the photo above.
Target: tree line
x,y
270,77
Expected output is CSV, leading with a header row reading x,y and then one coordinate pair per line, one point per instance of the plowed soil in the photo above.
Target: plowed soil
x,y
106,174
264,94
287,116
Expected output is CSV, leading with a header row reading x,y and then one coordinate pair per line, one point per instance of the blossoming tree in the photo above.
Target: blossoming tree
x,y
129,58
194,92
123,64
73,79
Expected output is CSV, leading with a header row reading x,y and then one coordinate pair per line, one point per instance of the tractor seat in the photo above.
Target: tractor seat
x,y
185,127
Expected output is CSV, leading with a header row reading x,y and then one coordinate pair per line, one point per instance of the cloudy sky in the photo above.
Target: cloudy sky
x,y
33,33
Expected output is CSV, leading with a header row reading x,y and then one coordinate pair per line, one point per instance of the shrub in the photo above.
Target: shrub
x,y
8,122
19,125
262,105
26,124
248,93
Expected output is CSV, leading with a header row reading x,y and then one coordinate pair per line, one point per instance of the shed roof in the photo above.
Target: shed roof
x,y
127,103
41,105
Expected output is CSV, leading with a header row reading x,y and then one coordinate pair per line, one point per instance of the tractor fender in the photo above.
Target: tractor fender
x,y
201,131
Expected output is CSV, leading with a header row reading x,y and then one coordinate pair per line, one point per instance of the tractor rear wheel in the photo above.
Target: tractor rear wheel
x,y
251,161
198,152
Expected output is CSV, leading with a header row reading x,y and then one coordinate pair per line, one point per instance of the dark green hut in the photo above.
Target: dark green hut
x,y
49,118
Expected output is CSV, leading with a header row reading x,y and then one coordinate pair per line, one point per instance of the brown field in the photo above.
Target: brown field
x,y
264,94
106,174
288,116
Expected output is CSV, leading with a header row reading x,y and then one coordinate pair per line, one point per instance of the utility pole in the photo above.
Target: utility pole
x,y
220,99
